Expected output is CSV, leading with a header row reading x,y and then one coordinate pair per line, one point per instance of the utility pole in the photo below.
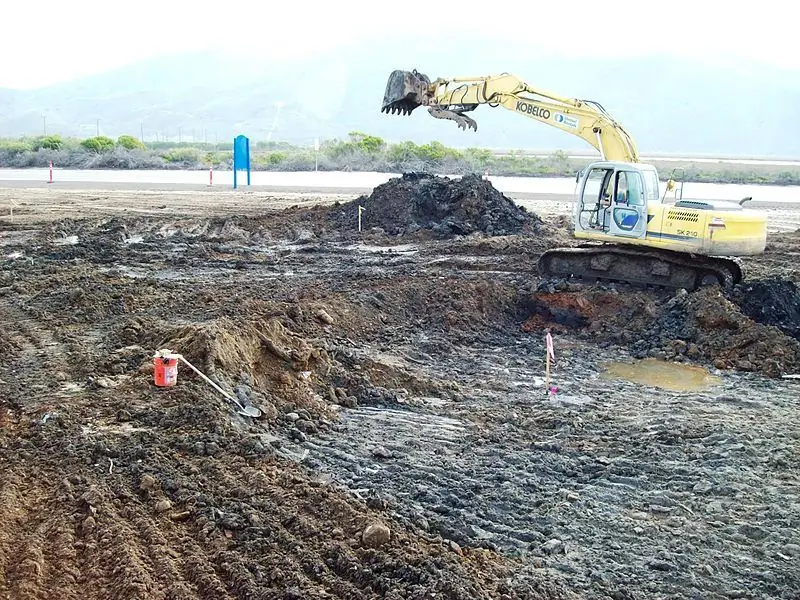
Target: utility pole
x,y
98,127
141,132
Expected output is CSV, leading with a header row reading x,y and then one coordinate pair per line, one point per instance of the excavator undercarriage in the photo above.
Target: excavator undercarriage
x,y
646,267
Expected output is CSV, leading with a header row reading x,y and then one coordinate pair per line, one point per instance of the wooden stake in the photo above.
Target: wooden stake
x,y
547,374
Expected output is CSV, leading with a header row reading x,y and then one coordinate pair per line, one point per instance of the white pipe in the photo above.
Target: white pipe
x,y
600,144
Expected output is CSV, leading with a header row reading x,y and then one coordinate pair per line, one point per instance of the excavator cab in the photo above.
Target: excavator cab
x,y
405,91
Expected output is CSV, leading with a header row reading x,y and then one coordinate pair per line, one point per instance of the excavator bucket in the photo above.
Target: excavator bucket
x,y
405,91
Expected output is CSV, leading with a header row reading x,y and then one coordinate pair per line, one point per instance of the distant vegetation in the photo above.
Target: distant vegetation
x,y
359,152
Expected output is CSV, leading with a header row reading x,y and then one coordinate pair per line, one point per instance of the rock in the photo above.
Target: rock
x,y
105,382
88,525
791,550
702,487
381,452
455,547
323,316
92,497
296,435
375,535
163,506
661,565
123,416
292,417
147,482
754,532
553,546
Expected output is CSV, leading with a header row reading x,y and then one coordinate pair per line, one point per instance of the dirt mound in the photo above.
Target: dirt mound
x,y
700,326
772,302
260,361
443,206
172,500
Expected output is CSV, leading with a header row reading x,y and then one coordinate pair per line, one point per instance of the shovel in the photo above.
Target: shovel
x,y
247,411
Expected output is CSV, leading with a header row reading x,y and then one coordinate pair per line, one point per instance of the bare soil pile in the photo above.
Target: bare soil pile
x,y
772,302
702,326
443,206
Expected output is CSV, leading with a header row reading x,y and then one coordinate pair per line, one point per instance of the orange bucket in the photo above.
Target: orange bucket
x,y
165,371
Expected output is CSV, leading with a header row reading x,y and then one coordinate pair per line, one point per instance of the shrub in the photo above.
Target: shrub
x,y
187,156
98,144
49,142
368,144
15,147
129,143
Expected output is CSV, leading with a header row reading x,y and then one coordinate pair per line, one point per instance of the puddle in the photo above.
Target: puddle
x,y
652,372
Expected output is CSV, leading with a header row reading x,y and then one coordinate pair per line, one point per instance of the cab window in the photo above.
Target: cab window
x,y
630,190
596,182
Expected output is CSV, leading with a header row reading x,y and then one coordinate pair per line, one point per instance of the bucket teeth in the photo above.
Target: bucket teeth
x,y
397,108
405,91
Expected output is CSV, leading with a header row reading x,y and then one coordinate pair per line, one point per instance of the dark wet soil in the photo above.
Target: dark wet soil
x,y
438,205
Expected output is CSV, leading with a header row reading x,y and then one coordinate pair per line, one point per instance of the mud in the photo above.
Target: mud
x,y
704,326
407,447
440,206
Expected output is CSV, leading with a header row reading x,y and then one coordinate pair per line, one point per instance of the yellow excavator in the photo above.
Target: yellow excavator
x,y
633,233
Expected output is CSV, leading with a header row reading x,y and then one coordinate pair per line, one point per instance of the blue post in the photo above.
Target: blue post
x,y
241,157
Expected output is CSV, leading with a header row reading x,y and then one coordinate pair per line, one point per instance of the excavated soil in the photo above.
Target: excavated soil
x,y
407,446
754,330
440,206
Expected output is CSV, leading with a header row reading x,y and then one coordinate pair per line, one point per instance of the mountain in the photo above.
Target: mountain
x,y
669,105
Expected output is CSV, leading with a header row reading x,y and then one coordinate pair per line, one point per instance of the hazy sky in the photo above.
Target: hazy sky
x,y
49,41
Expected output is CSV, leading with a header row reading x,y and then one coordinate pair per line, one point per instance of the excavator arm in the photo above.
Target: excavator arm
x,y
451,98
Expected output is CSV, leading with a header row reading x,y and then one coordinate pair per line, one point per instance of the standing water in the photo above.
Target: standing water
x,y
652,372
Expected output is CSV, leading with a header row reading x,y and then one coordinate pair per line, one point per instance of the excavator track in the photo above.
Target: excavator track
x,y
646,267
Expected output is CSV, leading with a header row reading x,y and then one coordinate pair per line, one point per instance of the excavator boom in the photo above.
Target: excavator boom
x,y
451,98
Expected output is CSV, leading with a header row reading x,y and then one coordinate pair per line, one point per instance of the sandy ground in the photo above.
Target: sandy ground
x,y
407,446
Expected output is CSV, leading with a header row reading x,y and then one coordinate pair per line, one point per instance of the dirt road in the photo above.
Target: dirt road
x,y
407,447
